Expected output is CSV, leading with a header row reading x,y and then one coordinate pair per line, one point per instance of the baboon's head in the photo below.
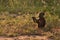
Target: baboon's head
x,y
41,14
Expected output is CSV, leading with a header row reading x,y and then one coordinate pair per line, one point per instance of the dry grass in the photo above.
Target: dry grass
x,y
16,24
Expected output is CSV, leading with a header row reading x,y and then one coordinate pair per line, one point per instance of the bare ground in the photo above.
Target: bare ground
x,y
26,37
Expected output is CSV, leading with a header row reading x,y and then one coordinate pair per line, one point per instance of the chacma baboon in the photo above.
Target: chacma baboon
x,y
41,21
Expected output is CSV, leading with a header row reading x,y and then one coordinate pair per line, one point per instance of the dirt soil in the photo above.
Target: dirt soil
x,y
25,37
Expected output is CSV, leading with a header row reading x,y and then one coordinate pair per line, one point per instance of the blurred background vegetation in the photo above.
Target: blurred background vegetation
x,y
16,16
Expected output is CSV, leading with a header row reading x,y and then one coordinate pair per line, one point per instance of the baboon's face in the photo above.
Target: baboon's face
x,y
41,15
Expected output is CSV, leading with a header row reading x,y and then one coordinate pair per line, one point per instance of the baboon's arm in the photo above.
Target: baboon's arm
x,y
35,20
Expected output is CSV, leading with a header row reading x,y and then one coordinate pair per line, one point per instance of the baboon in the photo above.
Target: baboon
x,y
41,21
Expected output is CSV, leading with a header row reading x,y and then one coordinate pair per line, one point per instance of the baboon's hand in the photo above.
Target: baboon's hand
x,y
33,18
